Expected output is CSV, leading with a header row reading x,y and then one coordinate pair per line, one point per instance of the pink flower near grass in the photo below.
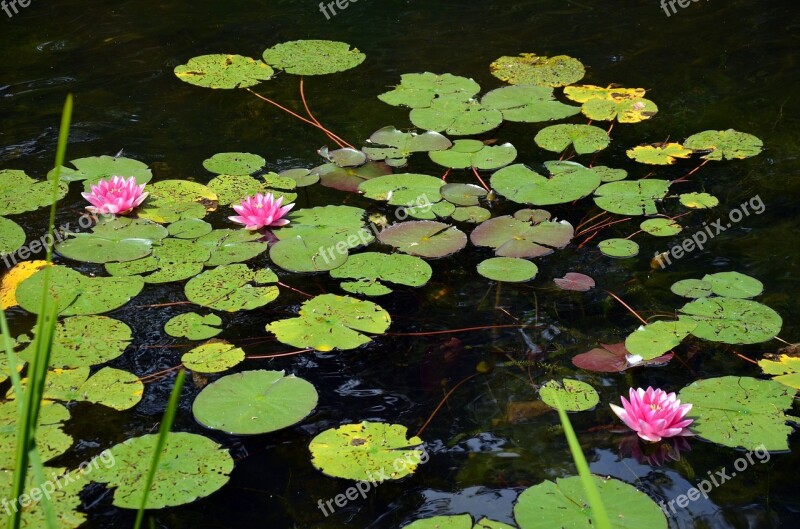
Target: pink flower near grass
x,y
261,211
654,414
116,196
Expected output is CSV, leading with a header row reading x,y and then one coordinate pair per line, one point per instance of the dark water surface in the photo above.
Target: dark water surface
x,y
716,64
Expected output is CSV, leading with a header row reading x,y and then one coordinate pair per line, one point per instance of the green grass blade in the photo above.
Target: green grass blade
x,y
166,426
599,513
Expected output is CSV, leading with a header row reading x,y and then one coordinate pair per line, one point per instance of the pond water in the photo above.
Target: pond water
x,y
715,64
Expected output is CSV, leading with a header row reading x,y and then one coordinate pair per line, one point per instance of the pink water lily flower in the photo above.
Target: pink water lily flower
x,y
654,414
116,196
261,211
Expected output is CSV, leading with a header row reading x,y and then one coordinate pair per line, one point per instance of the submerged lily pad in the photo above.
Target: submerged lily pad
x,y
232,288
563,503
570,181
573,394
659,153
653,340
20,193
731,320
585,139
511,237
330,322
372,269
356,451
532,69
424,238
740,412
725,144
631,197
254,402
223,71
473,153
508,269
84,341
191,467
313,57
528,104
193,326
419,90
619,248
234,163
214,356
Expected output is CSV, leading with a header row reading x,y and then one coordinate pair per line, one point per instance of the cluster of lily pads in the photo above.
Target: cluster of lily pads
x,y
224,271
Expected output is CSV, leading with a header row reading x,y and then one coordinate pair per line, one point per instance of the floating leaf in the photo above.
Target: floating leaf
x,y
19,273
301,177
232,246
734,285
563,503
725,144
424,238
84,341
223,71
575,282
20,193
585,138
619,248
570,181
232,288
330,322
117,389
627,105
234,163
378,268
394,147
418,90
64,500
356,451
530,68
460,521
573,394
173,260
631,197
463,154
189,229
12,236
473,214
119,240
214,356
508,269
456,117
349,178
463,194
344,157
313,57
733,321
193,326
584,93
692,288
512,237
404,189
191,467
653,340
613,359
51,440
740,412
528,104
698,200
96,168
174,200
254,402
659,153
787,369
607,174
661,227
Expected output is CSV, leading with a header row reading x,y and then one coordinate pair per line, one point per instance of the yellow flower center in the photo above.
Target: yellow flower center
x,y
655,407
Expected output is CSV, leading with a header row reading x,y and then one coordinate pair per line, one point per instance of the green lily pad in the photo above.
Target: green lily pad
x,y
76,294
233,188
12,236
563,503
214,356
234,163
223,71
51,440
403,189
174,200
508,269
232,246
424,238
20,193
462,155
619,248
193,326
692,288
661,227
734,285
64,501
356,451
659,153
378,268
730,320
84,341
528,104
623,109
329,322
119,240
96,168
191,467
459,521
456,117
231,288
419,90
173,260
313,57
607,174
344,157
653,340
117,389
349,178
473,214
699,200
787,369
394,147
725,144
570,181
532,69
573,394
511,237
189,229
584,93
463,194
254,402
740,412
631,197
586,139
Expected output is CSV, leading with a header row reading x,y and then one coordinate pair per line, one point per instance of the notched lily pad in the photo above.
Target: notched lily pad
x,y
573,394
532,69
508,269
193,326
586,139
659,153
511,237
313,57
528,104
231,288
373,269
463,154
424,238
419,90
570,181
725,144
223,71
214,356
